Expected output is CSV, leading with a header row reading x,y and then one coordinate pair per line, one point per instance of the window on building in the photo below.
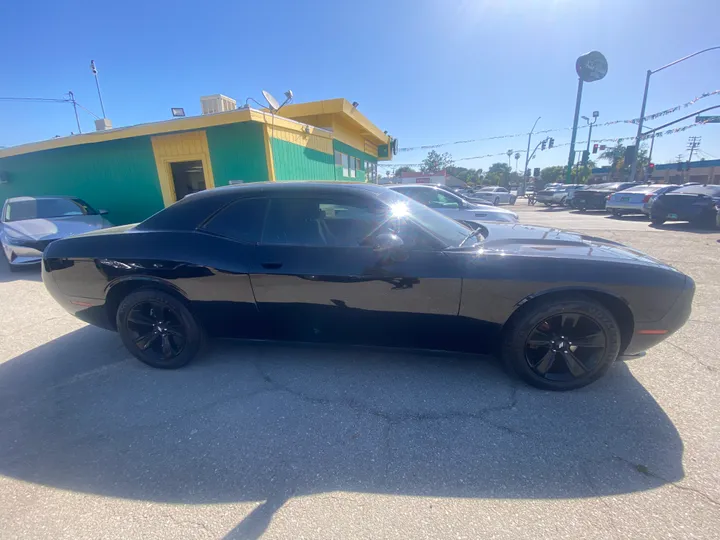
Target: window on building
x,y
371,171
241,221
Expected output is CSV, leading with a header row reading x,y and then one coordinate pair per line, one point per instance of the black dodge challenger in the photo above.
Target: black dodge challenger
x,y
364,264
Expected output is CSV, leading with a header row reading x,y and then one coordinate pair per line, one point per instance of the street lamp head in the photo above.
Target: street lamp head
x,y
596,114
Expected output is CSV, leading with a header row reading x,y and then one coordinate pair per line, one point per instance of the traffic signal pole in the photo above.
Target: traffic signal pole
x,y
527,155
571,156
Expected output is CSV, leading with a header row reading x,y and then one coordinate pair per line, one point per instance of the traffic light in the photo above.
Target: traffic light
x,y
542,144
595,148
551,142
651,169
585,157
536,172
630,154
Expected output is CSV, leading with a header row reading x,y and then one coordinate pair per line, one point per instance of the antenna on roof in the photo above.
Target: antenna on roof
x,y
275,106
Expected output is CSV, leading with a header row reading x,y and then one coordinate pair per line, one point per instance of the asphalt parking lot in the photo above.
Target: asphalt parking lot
x,y
279,441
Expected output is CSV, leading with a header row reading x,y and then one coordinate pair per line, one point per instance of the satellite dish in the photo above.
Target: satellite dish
x,y
274,105
394,146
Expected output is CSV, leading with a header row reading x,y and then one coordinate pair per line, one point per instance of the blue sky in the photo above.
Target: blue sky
x,y
429,71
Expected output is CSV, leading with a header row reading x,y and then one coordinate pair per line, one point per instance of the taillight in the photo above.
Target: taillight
x,y
647,197
608,197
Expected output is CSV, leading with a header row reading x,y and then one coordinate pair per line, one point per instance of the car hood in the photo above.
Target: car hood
x,y
54,228
488,208
534,241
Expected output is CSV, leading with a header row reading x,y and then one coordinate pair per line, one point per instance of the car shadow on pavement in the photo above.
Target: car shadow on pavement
x,y
555,209
632,217
684,227
31,273
267,422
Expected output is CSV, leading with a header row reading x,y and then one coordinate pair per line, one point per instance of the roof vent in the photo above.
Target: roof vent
x,y
217,103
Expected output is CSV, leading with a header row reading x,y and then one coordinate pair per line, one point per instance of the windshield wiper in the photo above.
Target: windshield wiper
x,y
471,235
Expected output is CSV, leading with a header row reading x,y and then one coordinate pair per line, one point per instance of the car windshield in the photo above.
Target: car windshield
x,y
710,191
30,208
448,231
487,189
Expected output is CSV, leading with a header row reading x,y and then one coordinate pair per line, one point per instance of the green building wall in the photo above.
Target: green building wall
x,y
295,162
119,176
237,152
351,151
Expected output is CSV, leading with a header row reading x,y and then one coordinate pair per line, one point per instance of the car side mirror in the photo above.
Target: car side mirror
x,y
390,246
103,212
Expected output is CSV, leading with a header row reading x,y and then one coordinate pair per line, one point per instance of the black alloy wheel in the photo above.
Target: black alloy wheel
x,y
158,329
562,342
565,346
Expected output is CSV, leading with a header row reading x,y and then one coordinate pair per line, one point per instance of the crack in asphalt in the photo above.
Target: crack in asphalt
x,y
647,472
712,369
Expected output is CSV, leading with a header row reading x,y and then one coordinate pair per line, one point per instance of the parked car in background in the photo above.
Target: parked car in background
x,y
496,195
361,263
697,204
454,206
29,224
595,197
564,194
545,196
633,199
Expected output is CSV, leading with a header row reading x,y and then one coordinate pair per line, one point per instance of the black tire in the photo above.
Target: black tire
x,y
496,202
582,209
513,200
166,323
517,346
563,202
547,204
657,221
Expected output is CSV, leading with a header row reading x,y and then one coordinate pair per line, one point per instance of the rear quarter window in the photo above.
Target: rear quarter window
x,y
241,221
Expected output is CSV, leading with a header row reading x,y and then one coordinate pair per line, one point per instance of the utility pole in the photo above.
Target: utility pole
x,y
693,144
97,85
526,176
74,104
509,154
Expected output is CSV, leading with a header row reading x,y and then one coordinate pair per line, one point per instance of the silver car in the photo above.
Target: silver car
x,y
636,199
496,195
454,206
29,224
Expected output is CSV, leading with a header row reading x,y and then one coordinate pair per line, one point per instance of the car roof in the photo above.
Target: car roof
x,y
193,209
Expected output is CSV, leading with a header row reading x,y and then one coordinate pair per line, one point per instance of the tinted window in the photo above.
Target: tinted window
x,y
434,198
501,190
46,208
241,221
710,191
321,221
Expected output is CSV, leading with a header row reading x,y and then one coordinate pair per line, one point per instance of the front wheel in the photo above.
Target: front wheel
x,y
657,220
561,343
158,329
496,202
563,202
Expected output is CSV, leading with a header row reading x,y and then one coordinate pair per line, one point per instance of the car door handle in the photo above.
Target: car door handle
x,y
272,265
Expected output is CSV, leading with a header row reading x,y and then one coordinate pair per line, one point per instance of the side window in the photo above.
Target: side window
x,y
241,221
502,190
321,221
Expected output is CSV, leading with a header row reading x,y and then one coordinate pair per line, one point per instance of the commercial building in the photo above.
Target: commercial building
x,y
135,171
440,177
703,172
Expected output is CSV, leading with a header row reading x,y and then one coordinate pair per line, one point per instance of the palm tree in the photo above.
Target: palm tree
x,y
616,156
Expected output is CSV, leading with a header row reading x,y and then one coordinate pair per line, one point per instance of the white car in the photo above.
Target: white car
x,y
564,193
29,224
454,206
495,194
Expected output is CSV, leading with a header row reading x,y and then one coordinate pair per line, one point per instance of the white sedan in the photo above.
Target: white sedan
x,y
454,206
495,194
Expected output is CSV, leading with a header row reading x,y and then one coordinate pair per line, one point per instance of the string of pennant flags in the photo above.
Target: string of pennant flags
x,y
610,140
649,117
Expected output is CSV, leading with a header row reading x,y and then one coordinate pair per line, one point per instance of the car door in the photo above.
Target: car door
x,y
320,277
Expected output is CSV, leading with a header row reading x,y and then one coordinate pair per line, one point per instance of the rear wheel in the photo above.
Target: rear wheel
x,y
563,202
561,343
158,329
496,202
657,220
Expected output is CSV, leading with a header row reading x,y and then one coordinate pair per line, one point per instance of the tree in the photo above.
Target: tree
x,y
400,170
498,174
615,155
554,174
435,162
469,176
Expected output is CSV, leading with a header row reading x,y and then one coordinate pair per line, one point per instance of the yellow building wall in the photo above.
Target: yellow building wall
x,y
188,146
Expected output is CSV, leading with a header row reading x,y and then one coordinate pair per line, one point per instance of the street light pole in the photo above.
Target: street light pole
x,y
633,167
526,176
571,155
